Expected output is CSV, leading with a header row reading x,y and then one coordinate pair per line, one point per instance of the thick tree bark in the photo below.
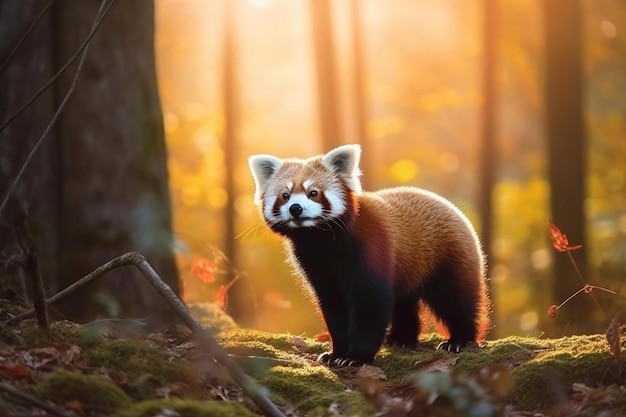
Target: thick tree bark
x,y
566,150
105,174
29,68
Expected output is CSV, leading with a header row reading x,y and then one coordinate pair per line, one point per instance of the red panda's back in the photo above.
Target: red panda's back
x,y
425,232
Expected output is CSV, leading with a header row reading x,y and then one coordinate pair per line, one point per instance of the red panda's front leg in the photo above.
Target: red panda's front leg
x,y
370,301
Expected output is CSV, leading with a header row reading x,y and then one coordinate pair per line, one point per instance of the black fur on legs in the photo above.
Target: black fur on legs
x,y
356,302
455,305
405,324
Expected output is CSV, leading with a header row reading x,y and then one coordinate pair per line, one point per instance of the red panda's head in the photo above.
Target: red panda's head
x,y
315,192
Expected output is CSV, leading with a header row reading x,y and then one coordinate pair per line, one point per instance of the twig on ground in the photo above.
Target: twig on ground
x,y
203,336
26,397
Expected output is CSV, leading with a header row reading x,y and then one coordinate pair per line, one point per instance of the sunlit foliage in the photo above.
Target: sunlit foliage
x,y
422,67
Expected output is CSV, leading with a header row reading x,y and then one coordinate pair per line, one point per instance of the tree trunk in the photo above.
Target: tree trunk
x,y
488,115
29,68
106,172
327,92
566,150
360,96
241,301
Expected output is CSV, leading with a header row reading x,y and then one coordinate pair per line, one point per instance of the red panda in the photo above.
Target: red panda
x,y
369,258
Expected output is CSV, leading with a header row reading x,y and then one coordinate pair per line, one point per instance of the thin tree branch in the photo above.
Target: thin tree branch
x,y
33,272
203,336
99,18
25,34
83,48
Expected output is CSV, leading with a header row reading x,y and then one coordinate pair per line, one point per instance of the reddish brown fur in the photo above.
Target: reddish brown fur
x,y
421,234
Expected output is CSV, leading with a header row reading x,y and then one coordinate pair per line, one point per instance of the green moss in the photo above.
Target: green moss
x,y
9,336
258,351
187,408
91,390
144,368
547,380
312,389
60,331
513,350
278,343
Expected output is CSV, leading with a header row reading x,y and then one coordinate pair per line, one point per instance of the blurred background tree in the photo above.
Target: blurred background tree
x,y
447,95
98,186
567,165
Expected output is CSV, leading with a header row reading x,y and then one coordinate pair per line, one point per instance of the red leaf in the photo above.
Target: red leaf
x,y
322,337
221,297
204,270
559,240
552,311
15,370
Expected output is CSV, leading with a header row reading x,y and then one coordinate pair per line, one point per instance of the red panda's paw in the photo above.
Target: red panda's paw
x,y
450,346
332,360
326,358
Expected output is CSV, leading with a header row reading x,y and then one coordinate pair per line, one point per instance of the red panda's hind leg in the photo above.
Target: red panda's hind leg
x,y
455,298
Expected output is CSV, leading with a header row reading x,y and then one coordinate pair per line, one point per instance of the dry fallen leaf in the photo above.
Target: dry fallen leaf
x,y
371,372
15,370
75,406
438,363
299,344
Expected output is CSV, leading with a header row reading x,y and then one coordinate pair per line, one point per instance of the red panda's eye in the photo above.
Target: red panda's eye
x,y
313,193
285,196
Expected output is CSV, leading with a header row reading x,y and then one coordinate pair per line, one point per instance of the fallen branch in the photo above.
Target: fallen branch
x,y
26,397
203,336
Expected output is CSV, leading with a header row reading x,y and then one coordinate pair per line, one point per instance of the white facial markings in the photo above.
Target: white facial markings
x,y
337,204
268,206
307,183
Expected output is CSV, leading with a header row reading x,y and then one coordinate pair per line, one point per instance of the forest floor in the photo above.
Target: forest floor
x,y
109,368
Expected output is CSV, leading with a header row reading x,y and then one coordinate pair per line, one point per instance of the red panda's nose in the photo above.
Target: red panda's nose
x,y
295,210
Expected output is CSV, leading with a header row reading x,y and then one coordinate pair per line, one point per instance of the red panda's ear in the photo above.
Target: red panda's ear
x,y
263,167
344,161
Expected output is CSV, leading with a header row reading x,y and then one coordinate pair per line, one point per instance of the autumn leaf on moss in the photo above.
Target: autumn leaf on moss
x,y
204,270
322,337
559,239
